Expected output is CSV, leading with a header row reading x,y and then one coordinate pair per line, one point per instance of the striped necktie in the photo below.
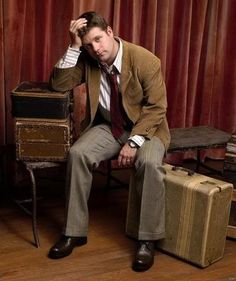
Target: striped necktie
x,y
115,105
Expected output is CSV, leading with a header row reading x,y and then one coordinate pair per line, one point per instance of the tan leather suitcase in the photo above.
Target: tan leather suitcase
x,y
42,140
197,215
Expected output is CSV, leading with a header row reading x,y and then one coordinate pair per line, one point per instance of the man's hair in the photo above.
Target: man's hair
x,y
93,20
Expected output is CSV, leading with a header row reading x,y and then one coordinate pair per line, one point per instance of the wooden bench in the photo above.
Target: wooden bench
x,y
197,139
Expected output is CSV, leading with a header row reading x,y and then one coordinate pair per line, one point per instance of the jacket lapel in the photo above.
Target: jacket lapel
x,y
94,76
126,68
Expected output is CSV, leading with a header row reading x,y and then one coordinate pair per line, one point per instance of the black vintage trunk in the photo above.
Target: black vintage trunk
x,y
37,100
43,130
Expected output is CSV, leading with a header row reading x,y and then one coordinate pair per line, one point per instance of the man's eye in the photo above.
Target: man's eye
x,y
97,39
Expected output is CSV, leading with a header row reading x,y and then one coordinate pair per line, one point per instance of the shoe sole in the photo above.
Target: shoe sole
x,y
141,268
56,255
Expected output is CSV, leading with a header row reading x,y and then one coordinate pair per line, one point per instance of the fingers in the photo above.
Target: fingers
x,y
125,161
75,25
127,156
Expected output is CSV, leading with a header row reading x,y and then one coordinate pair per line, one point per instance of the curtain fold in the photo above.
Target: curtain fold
x,y
14,17
193,38
2,84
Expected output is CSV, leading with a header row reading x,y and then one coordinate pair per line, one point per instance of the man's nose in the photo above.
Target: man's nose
x,y
95,47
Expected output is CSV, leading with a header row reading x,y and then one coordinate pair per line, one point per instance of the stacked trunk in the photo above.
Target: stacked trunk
x,y
43,128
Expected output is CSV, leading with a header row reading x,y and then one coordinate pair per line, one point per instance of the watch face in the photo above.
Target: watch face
x,y
132,144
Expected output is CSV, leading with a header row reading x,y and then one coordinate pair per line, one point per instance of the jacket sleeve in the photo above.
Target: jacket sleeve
x,y
63,79
154,104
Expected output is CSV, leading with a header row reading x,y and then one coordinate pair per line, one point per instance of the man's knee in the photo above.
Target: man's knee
x,y
79,154
147,163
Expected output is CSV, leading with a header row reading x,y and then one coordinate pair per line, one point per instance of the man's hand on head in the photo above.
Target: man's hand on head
x,y
75,26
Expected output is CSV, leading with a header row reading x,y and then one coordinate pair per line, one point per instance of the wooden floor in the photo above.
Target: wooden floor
x,y
108,254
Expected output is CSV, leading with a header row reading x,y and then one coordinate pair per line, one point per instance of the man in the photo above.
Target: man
x,y
126,116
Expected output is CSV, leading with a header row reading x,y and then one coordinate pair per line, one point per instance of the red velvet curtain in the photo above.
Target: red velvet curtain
x,y
195,40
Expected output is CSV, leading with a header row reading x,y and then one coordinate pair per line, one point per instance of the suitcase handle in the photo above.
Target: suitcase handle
x,y
176,168
212,183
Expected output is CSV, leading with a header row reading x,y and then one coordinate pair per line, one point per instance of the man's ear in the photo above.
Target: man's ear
x,y
109,31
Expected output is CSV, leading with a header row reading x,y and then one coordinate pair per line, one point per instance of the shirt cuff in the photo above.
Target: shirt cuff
x,y
139,140
69,59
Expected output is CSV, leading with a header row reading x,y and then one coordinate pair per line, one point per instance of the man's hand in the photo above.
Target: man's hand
x,y
75,25
127,155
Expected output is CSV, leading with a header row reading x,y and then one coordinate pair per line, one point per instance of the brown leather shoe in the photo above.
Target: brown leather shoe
x,y
65,246
144,258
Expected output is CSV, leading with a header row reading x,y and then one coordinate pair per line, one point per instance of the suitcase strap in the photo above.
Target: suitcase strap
x,y
187,212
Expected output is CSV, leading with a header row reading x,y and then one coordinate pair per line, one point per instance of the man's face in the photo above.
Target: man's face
x,y
100,44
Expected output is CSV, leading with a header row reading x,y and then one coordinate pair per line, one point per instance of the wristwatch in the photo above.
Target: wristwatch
x,y
132,144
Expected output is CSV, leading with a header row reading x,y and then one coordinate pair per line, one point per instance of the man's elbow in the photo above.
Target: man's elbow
x,y
58,84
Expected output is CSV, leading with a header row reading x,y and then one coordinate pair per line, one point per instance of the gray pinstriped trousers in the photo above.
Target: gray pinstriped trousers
x,y
146,203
